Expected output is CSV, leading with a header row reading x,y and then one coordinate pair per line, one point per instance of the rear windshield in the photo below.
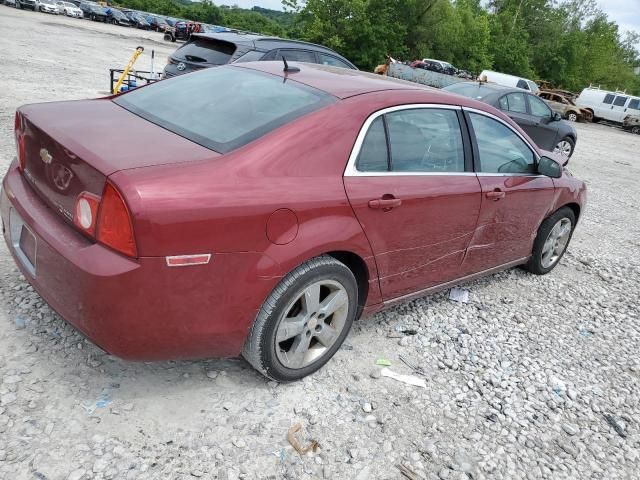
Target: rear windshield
x,y
474,90
214,52
223,108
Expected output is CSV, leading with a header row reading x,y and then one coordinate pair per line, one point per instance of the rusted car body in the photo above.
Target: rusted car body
x,y
563,104
631,123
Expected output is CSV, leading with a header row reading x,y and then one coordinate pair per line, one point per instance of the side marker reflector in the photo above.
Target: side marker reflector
x,y
187,260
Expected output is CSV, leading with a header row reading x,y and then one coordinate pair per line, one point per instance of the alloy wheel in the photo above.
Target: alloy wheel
x,y
636,130
311,324
572,117
563,148
556,242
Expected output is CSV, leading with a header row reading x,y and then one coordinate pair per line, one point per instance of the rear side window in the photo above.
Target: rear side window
x,y
223,108
538,107
296,55
635,104
425,140
522,84
331,60
250,56
620,101
499,148
213,52
608,99
517,103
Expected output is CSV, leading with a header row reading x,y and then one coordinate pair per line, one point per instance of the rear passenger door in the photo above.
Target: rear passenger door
x,y
515,106
410,183
603,110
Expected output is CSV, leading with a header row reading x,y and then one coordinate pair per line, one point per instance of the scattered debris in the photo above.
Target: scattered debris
x,y
291,437
611,420
383,362
417,369
409,331
408,379
20,323
407,472
459,295
102,402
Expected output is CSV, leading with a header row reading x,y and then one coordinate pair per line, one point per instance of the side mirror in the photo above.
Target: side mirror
x,y
549,167
556,117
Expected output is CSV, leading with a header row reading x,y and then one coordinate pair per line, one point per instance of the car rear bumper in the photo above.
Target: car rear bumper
x,y
136,309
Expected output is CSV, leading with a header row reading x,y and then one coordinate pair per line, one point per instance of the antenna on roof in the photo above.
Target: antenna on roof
x,y
287,68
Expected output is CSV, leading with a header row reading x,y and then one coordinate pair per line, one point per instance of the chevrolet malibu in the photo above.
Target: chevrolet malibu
x,y
253,210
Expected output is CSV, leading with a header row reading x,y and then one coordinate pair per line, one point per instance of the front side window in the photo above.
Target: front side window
x,y
517,103
608,99
539,108
223,108
620,101
425,140
500,149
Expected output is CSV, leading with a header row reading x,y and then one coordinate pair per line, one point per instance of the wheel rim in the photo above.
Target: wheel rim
x,y
573,117
556,242
311,324
563,148
636,130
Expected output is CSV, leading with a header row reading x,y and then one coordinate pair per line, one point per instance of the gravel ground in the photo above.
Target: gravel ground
x,y
534,377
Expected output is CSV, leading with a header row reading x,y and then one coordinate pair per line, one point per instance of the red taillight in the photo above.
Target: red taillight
x,y
19,132
85,214
114,227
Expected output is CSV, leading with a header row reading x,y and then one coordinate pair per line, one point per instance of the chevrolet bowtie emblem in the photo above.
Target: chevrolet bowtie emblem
x,y
45,156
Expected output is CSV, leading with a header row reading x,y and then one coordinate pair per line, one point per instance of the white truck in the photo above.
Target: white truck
x,y
608,105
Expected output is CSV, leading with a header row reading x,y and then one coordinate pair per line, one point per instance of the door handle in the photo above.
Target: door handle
x,y
385,203
496,195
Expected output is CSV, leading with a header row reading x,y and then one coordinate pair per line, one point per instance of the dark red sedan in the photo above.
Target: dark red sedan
x,y
255,211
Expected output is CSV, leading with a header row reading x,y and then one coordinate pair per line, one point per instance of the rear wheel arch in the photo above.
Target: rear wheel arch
x,y
358,267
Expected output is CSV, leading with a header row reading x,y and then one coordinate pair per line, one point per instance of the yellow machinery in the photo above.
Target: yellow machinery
x,y
129,66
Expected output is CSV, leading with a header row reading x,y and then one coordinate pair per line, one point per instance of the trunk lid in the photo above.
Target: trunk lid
x,y
72,147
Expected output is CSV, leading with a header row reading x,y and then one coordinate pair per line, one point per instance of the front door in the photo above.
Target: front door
x,y
415,197
544,131
515,199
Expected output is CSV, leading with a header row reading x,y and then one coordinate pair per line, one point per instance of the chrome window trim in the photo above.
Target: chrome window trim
x,y
352,171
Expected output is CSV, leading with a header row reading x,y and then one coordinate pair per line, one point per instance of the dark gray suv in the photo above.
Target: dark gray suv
x,y
205,50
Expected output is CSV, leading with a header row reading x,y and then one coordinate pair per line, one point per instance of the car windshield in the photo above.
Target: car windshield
x,y
471,90
223,108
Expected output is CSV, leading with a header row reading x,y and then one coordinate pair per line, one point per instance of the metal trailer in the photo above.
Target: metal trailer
x,y
419,75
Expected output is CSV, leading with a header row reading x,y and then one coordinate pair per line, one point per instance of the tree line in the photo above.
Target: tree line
x,y
570,43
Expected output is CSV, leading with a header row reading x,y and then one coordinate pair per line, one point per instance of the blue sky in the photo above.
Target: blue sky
x,y
625,12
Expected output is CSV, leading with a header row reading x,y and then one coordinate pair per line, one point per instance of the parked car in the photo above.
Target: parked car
x,y
93,11
22,4
631,123
545,127
116,17
508,80
47,6
205,50
138,20
565,106
10,3
156,23
316,228
427,65
608,105
447,68
69,9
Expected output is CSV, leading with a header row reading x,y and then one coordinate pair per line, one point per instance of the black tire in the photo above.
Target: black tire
x,y
535,264
260,346
635,130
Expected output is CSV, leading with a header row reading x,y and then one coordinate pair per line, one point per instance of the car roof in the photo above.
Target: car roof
x,y
258,40
344,83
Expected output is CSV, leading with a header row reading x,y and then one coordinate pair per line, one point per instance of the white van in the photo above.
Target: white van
x,y
607,105
509,80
